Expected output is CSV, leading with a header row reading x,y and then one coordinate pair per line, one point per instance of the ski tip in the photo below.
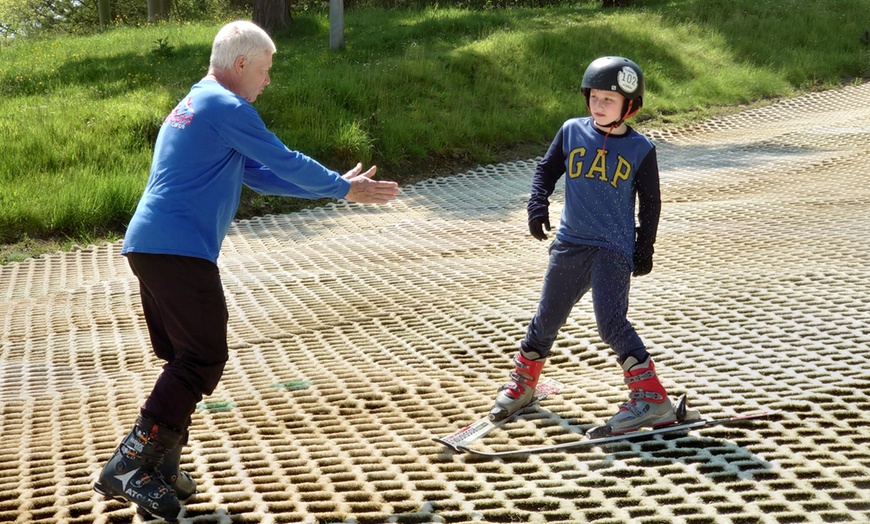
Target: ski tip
x,y
760,414
448,444
470,451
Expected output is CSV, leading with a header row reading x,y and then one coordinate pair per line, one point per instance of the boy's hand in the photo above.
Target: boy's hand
x,y
537,226
643,261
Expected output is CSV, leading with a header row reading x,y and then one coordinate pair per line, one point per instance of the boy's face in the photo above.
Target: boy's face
x,y
605,106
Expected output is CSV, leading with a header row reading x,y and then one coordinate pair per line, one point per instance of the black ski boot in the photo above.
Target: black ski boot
x,y
132,473
178,480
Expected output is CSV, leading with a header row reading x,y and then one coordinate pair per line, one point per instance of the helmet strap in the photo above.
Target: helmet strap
x,y
613,125
630,111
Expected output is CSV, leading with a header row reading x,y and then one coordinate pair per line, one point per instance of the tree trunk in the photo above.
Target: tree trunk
x,y
336,24
272,15
105,12
158,10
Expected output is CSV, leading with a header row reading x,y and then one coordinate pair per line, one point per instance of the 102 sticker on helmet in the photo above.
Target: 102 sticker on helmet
x,y
627,79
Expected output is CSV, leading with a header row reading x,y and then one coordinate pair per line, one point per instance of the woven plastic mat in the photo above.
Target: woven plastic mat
x,y
359,333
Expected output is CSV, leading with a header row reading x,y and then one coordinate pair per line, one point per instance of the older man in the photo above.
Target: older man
x,y
210,144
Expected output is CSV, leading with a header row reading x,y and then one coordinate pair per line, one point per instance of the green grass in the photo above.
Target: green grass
x,y
415,91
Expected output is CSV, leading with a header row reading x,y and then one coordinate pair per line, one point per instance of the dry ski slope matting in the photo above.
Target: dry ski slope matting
x,y
359,333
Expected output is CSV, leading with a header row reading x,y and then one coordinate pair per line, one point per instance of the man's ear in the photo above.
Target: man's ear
x,y
240,63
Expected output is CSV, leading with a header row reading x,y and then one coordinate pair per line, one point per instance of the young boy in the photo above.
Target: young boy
x,y
598,247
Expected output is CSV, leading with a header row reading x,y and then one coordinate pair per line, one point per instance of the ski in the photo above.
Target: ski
x,y
468,434
677,426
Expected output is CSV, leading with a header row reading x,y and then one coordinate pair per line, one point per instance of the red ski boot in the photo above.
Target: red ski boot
x,y
519,392
648,403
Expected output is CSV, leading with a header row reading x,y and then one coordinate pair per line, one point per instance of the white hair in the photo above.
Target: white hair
x,y
239,38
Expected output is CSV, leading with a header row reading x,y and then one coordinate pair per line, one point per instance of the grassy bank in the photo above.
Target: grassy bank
x,y
414,92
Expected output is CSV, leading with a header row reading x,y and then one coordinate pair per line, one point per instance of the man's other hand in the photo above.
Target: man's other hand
x,y
364,190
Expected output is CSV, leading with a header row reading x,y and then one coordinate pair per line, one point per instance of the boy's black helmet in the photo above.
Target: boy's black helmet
x,y
614,73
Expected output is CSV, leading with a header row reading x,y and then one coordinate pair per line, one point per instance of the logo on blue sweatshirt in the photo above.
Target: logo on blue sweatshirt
x,y
182,115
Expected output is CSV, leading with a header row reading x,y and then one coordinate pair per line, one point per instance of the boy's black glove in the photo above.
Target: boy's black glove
x,y
643,259
537,225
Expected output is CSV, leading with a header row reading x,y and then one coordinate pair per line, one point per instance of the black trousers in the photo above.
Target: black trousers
x,y
186,314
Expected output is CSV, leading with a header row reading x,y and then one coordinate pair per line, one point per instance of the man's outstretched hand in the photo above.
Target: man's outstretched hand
x,y
364,190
